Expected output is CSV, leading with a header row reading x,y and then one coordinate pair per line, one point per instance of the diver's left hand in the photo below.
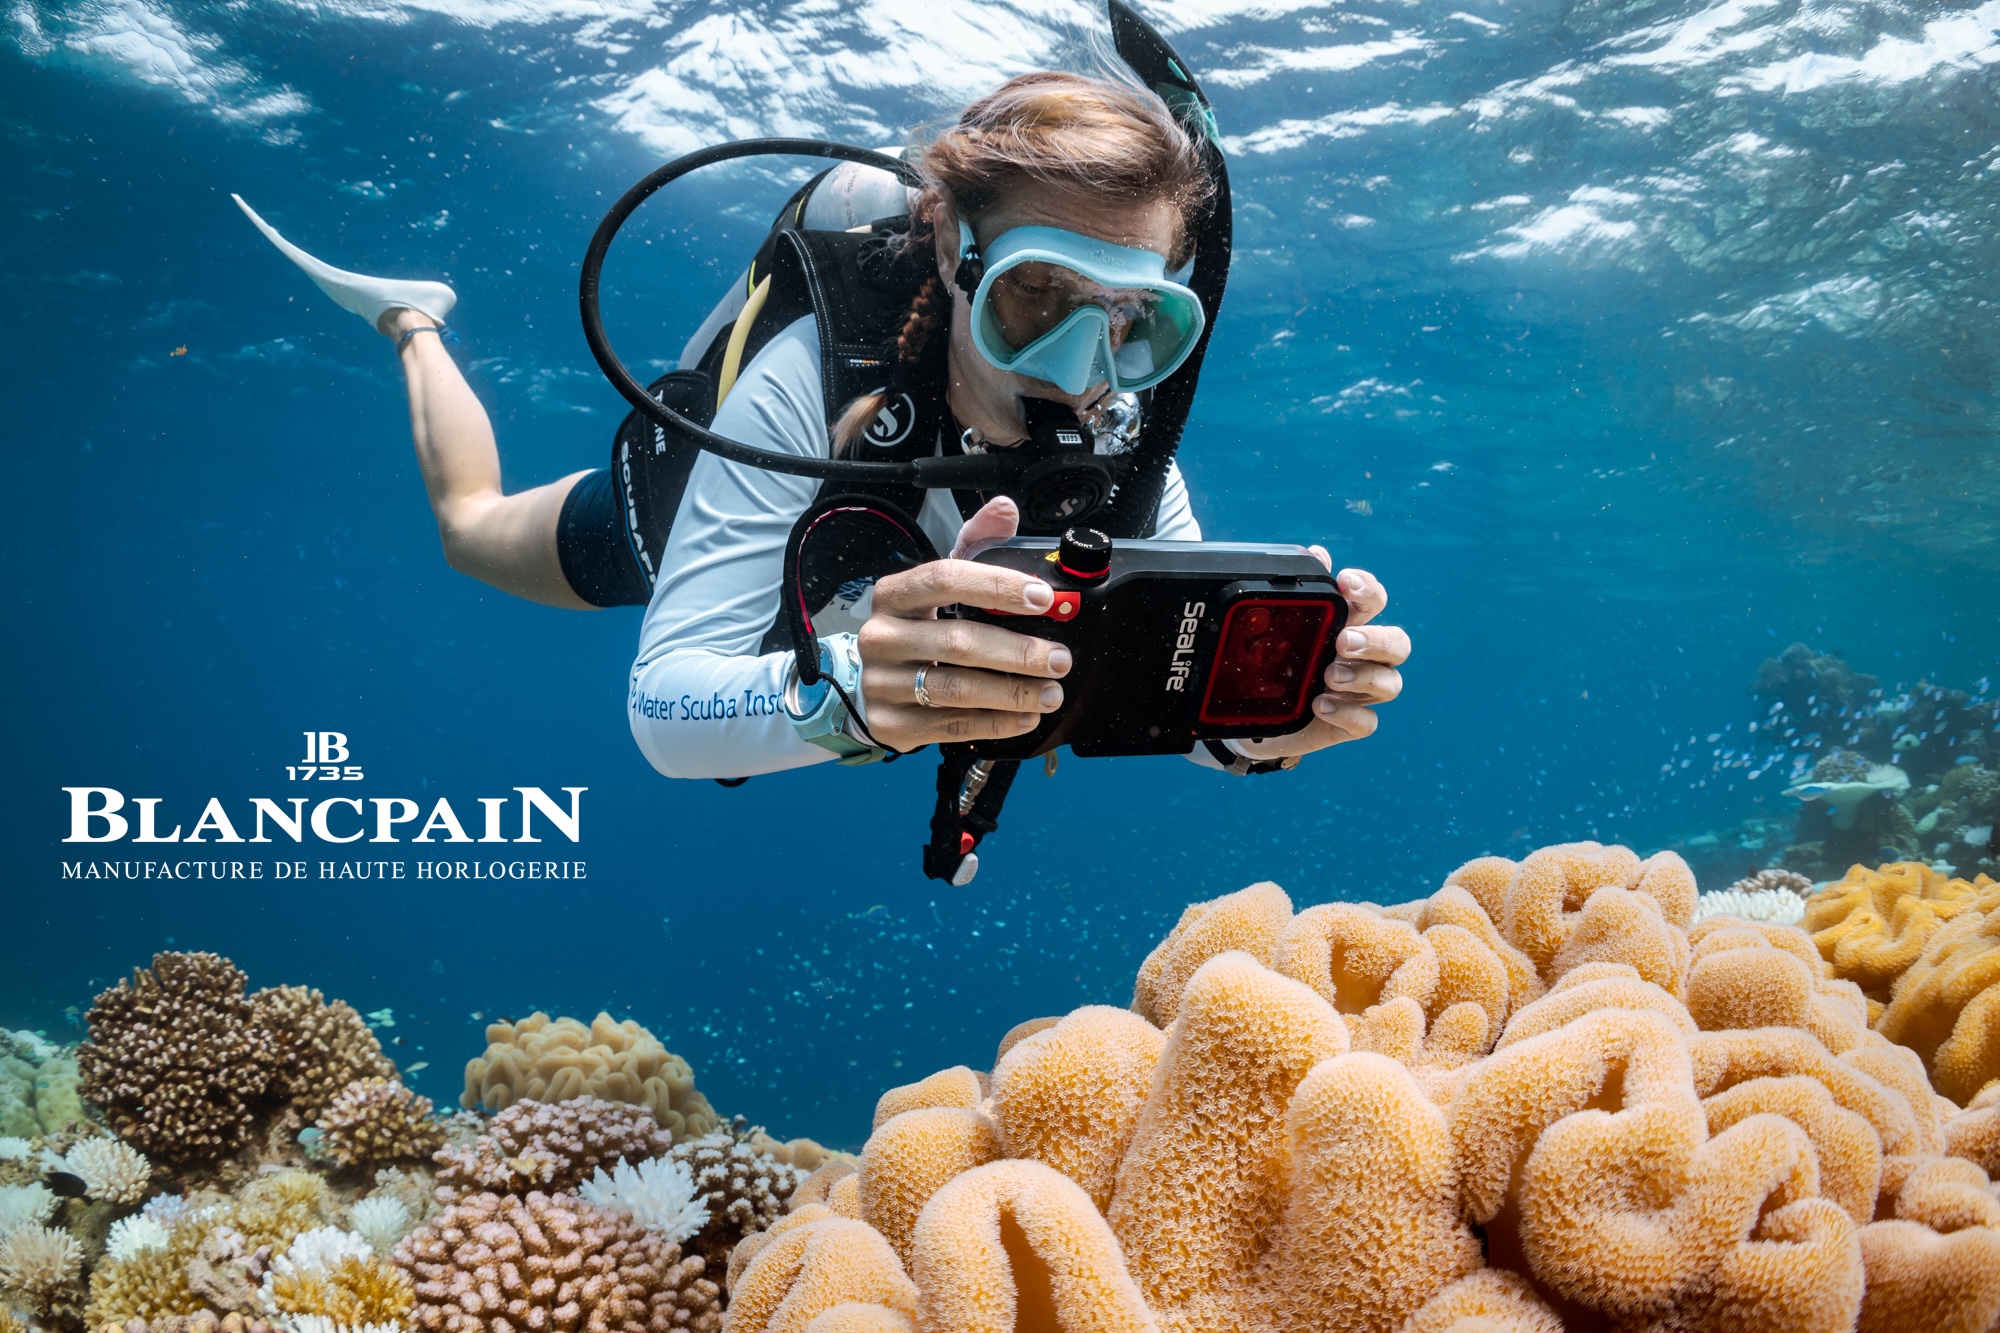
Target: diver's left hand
x,y
1362,675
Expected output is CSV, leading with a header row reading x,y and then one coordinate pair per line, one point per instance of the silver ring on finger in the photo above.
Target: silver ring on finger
x,y
923,691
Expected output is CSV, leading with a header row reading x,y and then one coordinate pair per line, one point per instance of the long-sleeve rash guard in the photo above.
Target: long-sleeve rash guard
x,y
704,699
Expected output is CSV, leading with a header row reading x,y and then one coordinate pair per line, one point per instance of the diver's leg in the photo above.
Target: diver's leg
x,y
508,541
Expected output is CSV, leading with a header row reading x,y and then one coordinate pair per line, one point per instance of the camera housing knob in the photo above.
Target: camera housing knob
x,y
1084,553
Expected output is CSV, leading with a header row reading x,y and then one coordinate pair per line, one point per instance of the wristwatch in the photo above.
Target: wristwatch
x,y
818,712
1243,763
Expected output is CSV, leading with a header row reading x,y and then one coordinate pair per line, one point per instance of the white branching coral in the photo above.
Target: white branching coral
x,y
110,1170
169,1210
24,1205
317,1252
1780,906
14,1148
381,1220
39,1261
134,1235
659,1195
319,1323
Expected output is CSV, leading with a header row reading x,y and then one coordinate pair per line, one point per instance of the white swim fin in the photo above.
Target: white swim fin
x,y
365,296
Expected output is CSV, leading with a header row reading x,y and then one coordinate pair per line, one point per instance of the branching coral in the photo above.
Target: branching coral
x,y
319,1046
495,1263
659,1195
337,1276
558,1060
375,1120
744,1190
1774,880
550,1147
112,1171
41,1263
176,1058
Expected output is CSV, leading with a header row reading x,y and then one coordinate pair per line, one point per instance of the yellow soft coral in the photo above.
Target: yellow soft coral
x,y
1551,887
1588,989
957,1086
1946,1006
1197,1189
1020,1245
1872,924
1919,1279
911,1157
1356,958
1249,920
1371,1228
1454,905
1070,1095
1489,1301
803,1273
1846,1145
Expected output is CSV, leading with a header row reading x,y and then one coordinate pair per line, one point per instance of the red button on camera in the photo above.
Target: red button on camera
x,y
1065,606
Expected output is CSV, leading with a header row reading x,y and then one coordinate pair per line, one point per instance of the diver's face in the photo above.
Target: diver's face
x,y
985,396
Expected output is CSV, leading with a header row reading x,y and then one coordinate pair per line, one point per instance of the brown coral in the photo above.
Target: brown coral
x,y
319,1046
551,1147
495,1263
176,1058
376,1120
558,1060
746,1191
1791,881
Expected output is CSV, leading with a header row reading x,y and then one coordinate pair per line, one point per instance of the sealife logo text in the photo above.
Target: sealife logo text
x,y
106,814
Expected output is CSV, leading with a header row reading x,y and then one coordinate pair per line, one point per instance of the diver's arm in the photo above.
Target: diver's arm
x,y
508,541
703,701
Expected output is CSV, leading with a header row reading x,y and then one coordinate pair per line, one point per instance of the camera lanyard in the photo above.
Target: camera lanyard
x,y
970,792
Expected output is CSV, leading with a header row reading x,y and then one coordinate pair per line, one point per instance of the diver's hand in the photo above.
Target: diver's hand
x,y
1362,675
986,682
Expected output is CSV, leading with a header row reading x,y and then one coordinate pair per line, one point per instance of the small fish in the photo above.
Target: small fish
x,y
65,1185
1361,507
478,1016
418,1067
179,351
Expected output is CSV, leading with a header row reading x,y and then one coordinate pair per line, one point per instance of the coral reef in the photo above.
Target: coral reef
x,y
557,1060
1774,880
658,1195
319,1047
495,1263
381,1220
377,1120
744,1191
1544,1096
176,1059
337,1276
112,1171
551,1148
1780,905
42,1264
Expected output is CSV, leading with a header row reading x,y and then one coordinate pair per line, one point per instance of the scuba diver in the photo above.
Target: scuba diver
x,y
1017,269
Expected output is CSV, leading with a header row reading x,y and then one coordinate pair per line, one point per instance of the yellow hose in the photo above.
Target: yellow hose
x,y
732,355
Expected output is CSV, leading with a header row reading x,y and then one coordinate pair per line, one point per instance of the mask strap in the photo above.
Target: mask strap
x,y
971,264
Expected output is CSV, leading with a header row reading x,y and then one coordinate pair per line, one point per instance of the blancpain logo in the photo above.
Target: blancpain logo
x,y
1182,665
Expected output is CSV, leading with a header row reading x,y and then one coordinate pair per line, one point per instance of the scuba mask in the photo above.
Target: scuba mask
x,y
1075,311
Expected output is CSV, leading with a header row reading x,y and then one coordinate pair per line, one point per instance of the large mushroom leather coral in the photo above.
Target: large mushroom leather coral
x,y
1536,1099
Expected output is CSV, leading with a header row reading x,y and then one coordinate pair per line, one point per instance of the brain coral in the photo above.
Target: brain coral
x,y
557,1060
1676,1129
555,1147
376,1120
176,1058
499,1263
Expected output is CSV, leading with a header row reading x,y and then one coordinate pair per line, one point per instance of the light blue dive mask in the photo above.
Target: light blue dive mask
x,y
1076,311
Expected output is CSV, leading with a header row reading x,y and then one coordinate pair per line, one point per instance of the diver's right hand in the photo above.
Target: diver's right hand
x,y
984,682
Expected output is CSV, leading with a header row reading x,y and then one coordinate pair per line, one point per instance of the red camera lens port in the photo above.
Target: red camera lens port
x,y
1264,664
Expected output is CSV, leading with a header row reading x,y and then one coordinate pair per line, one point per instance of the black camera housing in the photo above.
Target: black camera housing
x,y
1174,642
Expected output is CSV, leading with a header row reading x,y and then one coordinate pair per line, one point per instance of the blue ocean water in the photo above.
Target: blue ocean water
x,y
1627,343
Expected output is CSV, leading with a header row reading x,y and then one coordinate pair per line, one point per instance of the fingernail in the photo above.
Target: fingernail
x,y
1059,661
1038,596
1027,721
1051,696
1352,641
1324,706
1340,673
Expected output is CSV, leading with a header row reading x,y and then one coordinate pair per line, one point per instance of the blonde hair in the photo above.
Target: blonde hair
x,y
1071,132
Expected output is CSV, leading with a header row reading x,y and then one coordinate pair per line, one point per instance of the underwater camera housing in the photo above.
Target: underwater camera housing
x,y
1174,642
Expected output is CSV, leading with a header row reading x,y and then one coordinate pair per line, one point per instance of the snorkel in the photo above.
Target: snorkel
x,y
1055,479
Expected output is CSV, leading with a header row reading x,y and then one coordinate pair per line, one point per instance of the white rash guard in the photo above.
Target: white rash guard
x,y
703,700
